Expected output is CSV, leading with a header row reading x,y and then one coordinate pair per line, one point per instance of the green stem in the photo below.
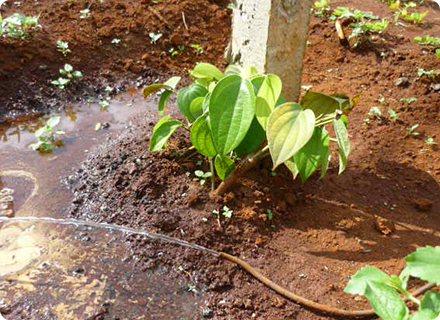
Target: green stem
x,y
211,166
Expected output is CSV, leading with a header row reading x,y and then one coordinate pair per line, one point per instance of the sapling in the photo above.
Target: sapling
x,y
384,291
46,136
63,47
239,116
68,75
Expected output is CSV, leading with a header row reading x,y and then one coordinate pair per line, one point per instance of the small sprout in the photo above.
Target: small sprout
x,y
381,100
199,163
393,115
187,173
430,141
230,5
46,136
226,212
198,49
116,41
273,173
408,100
104,104
410,131
84,14
306,88
202,176
191,288
154,37
68,75
269,214
63,47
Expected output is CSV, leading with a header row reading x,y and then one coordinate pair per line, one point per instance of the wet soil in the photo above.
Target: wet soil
x,y
386,203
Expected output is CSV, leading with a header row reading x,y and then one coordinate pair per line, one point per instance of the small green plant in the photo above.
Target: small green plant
x,y
430,141
63,47
226,212
202,176
321,8
269,214
154,37
382,290
239,116
406,13
375,112
197,49
84,14
408,100
68,75
116,41
46,136
411,131
18,25
393,115
427,40
103,104
437,53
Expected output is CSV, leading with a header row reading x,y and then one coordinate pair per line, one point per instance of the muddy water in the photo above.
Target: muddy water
x,y
73,272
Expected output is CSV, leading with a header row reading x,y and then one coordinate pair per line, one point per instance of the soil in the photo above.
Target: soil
x,y
386,203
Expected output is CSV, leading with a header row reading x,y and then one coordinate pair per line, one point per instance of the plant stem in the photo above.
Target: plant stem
x,y
244,166
211,166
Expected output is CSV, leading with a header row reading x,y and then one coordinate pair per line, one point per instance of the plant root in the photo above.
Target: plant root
x,y
306,302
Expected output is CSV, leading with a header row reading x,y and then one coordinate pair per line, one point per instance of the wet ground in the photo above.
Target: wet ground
x,y
68,272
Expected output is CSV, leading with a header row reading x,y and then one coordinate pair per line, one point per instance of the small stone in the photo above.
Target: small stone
x,y
435,87
206,313
401,82
422,204
384,226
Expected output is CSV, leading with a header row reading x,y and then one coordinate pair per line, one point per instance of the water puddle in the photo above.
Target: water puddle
x,y
72,272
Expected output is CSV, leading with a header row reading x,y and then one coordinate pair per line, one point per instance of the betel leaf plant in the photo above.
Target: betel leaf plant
x,y
382,290
239,116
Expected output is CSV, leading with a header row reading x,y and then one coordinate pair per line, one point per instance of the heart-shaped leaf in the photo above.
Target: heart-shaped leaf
x,y
231,109
186,96
206,71
267,97
163,129
424,263
201,137
223,166
289,128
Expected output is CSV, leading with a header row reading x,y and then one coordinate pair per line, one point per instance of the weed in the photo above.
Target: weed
x,y
198,49
103,104
154,37
63,47
84,14
234,144
411,131
269,214
226,212
46,136
393,115
321,8
408,100
202,176
375,112
427,40
430,141
383,291
116,41
18,25
404,12
68,75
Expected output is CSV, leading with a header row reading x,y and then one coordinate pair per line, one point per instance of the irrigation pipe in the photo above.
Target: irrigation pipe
x,y
326,309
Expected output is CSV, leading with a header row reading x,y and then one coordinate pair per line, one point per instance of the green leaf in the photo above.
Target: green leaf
x,y
253,139
172,82
163,129
267,97
289,128
223,166
404,276
42,131
52,122
385,301
292,167
233,69
424,263
186,96
153,88
231,109
163,101
201,137
431,301
206,71
322,104
358,281
313,154
343,143
423,315
68,67
196,107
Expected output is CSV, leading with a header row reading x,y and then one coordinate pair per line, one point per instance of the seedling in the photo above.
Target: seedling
x,y
191,288
437,53
154,37
375,112
321,8
63,47
202,176
46,136
198,49
103,104
226,212
18,25
404,12
408,100
411,131
116,41
69,75
430,141
230,6
383,291
255,123
393,115
269,214
427,40
84,14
